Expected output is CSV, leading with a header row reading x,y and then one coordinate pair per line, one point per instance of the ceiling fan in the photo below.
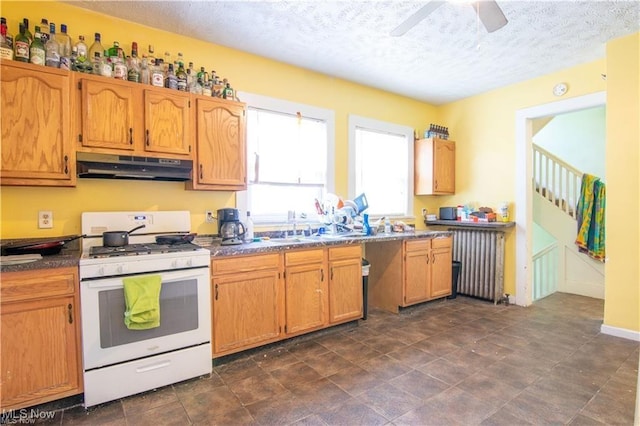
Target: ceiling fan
x,y
487,11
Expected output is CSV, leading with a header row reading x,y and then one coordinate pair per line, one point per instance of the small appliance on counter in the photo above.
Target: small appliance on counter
x,y
448,213
230,229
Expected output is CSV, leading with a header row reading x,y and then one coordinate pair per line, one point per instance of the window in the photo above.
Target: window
x,y
289,158
381,166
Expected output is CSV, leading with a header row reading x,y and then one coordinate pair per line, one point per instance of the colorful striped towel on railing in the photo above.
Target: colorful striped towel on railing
x,y
590,216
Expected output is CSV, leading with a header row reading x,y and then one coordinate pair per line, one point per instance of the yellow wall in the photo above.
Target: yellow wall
x,y
246,72
622,278
483,127
485,140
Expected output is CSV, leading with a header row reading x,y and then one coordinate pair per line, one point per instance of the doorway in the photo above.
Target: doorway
x,y
524,190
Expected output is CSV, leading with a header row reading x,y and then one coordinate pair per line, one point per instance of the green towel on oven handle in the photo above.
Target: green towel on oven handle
x,y
142,302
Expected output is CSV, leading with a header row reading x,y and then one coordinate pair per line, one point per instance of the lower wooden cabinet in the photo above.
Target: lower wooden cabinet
x,y
246,302
260,299
306,294
427,269
345,284
407,272
40,349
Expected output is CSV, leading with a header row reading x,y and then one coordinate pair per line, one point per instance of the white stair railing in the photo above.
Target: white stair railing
x,y
556,180
545,272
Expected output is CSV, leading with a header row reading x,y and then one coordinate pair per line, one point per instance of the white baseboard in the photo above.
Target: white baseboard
x,y
620,332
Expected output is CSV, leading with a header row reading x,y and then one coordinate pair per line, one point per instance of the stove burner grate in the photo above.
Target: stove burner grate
x,y
140,249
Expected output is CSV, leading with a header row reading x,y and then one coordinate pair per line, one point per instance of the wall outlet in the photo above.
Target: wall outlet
x,y
45,219
208,216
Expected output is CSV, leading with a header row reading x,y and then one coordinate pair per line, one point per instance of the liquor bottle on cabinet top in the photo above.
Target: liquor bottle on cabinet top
x,y
27,33
96,47
37,53
44,31
133,73
157,74
52,48
64,41
181,75
171,81
151,56
145,72
21,46
7,36
6,52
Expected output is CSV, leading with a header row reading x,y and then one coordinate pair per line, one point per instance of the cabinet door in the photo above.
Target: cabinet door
x,y
434,166
305,298
221,145
36,143
167,122
345,290
416,276
107,115
39,351
444,166
441,260
245,310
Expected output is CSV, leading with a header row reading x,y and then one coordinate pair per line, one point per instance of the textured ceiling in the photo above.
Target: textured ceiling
x,y
447,56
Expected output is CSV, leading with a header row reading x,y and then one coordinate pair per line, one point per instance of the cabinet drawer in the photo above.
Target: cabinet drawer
x,y
345,252
304,257
441,242
245,263
37,284
418,244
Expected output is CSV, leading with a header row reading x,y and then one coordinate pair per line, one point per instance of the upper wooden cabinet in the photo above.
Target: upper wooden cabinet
x,y
36,144
121,117
220,145
107,115
435,166
167,122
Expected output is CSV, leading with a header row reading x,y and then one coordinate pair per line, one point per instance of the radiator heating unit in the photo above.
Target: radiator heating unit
x,y
481,253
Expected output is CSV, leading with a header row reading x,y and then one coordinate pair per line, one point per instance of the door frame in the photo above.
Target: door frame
x,y
524,189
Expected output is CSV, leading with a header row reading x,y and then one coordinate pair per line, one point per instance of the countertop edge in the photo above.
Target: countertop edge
x,y
477,225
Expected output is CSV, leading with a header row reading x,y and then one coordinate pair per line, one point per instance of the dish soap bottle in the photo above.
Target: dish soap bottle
x,y
248,235
365,224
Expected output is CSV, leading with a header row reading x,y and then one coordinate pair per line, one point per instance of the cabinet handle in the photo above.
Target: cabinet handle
x,y
331,274
147,138
201,173
216,291
66,164
70,312
427,259
321,274
436,183
130,135
433,258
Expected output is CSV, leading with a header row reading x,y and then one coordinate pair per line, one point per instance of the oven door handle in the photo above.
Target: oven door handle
x,y
167,278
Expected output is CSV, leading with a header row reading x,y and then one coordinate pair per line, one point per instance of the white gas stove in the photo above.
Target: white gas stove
x,y
119,361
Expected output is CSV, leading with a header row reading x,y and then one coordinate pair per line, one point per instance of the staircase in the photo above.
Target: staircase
x,y
560,266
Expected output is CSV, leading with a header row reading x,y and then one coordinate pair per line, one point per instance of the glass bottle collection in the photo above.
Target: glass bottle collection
x,y
49,48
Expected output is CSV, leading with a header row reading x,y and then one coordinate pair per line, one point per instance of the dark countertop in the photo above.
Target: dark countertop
x,y
67,257
70,257
275,245
476,225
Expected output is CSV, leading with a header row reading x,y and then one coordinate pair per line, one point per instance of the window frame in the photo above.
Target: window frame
x,y
356,121
282,106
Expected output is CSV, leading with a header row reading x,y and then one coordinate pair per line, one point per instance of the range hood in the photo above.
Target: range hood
x,y
108,166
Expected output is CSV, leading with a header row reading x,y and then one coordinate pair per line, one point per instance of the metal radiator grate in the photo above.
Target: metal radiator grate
x,y
481,253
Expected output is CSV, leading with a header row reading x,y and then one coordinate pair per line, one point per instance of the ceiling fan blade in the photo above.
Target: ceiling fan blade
x,y
414,19
490,14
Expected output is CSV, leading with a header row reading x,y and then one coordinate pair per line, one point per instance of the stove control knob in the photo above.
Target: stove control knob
x,y
121,269
189,262
101,270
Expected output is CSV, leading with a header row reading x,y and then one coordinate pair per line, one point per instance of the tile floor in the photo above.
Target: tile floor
x,y
449,362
